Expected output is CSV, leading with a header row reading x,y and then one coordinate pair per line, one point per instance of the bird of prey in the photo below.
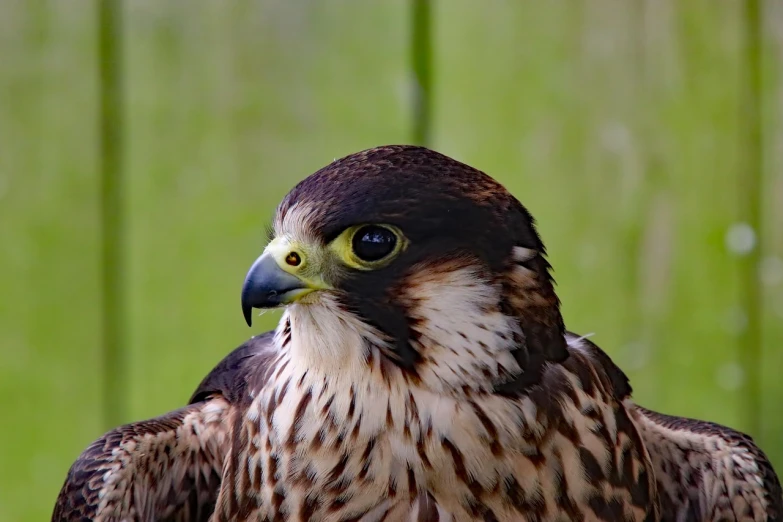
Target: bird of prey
x,y
421,371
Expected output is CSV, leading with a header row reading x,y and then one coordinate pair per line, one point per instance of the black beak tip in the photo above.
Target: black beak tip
x,y
266,286
247,303
247,311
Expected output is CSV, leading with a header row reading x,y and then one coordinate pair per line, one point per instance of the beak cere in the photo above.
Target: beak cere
x,y
267,286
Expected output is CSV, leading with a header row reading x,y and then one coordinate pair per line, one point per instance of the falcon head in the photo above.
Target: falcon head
x,y
404,261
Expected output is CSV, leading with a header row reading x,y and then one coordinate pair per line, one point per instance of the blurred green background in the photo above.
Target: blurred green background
x,y
635,132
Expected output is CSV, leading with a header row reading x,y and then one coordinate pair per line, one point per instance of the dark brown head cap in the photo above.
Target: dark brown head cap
x,y
434,199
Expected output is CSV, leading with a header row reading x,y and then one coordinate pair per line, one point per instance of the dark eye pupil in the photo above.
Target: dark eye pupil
x,y
372,243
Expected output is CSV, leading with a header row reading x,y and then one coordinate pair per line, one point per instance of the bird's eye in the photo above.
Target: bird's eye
x,y
368,247
373,243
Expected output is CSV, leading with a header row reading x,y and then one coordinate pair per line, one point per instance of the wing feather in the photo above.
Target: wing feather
x,y
706,471
167,468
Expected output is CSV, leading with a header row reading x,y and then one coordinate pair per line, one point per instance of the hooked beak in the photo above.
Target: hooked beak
x,y
268,286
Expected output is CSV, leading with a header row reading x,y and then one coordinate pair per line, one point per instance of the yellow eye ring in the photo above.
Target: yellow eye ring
x,y
369,246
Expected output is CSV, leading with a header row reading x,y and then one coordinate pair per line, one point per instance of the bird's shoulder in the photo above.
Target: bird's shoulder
x,y
167,466
589,368
708,471
242,369
702,470
173,462
582,417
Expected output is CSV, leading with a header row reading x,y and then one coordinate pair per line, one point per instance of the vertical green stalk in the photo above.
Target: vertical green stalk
x,y
421,60
750,186
113,230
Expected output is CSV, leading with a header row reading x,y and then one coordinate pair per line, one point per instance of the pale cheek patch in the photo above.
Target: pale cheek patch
x,y
329,338
463,338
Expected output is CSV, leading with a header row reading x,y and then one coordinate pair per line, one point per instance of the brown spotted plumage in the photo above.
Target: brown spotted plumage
x,y
166,468
421,372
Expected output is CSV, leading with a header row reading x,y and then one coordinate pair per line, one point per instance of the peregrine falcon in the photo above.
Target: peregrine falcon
x,y
421,370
